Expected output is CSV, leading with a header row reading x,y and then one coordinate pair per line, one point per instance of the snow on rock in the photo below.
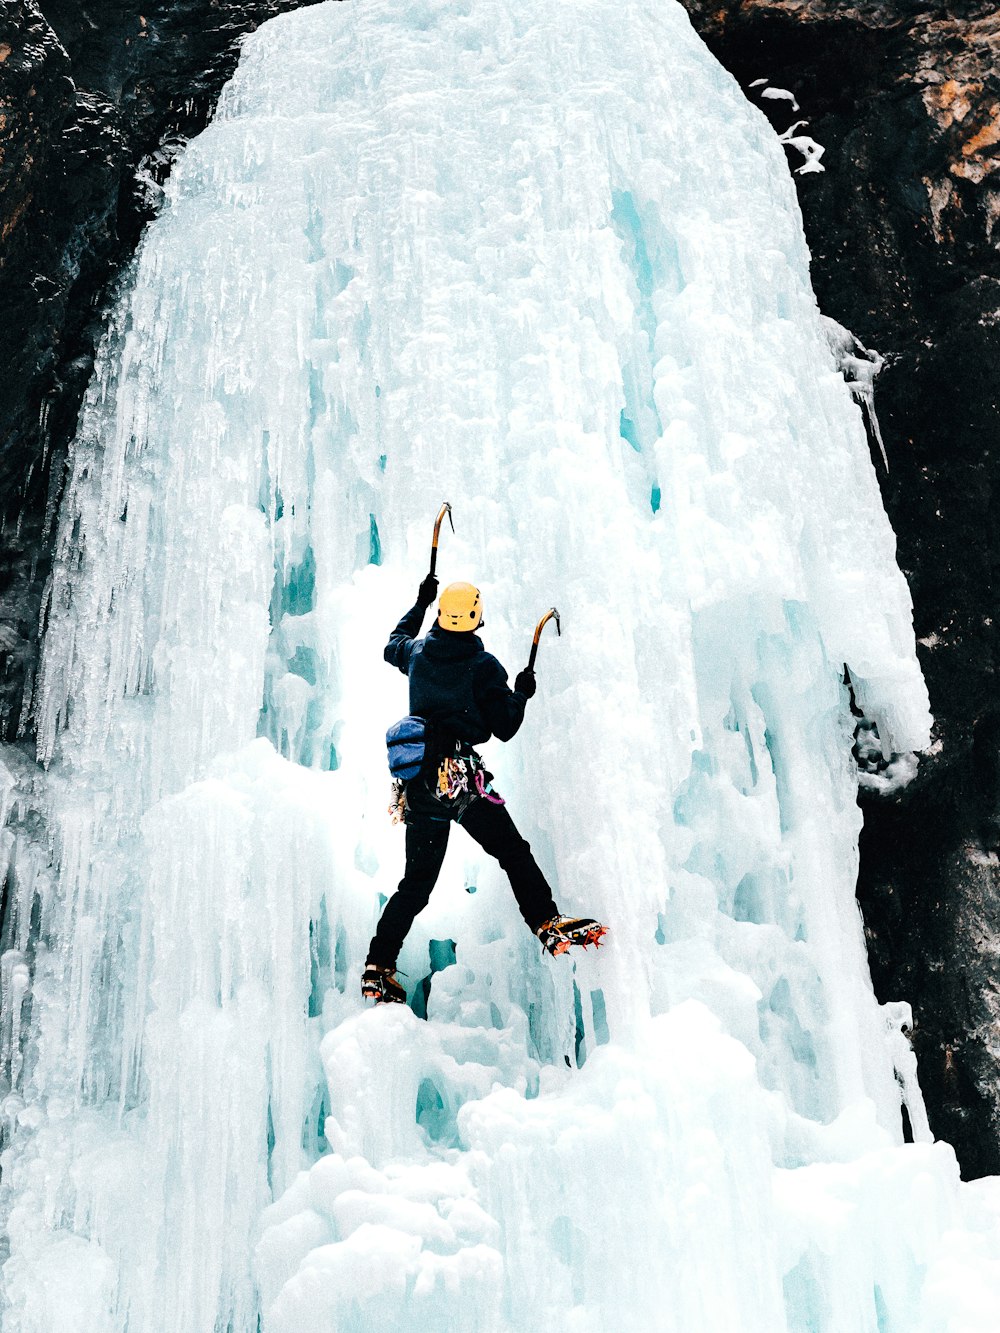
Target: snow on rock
x,y
779,94
478,251
810,151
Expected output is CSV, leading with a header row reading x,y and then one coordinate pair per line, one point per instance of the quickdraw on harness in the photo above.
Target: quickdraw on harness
x,y
464,774
484,788
452,778
397,806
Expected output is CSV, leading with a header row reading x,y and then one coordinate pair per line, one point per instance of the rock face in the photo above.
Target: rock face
x,y
904,227
93,95
903,224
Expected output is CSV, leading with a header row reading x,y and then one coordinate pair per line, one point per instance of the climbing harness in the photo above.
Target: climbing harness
x,y
461,778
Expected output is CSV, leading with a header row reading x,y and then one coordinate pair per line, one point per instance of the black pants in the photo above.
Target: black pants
x,y
426,841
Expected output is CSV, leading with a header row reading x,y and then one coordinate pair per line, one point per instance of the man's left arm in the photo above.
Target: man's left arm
x,y
399,649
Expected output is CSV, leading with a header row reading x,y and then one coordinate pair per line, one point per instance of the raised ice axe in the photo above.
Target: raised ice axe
x,y
551,614
445,509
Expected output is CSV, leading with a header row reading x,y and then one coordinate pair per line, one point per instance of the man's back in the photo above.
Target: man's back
x,y
454,682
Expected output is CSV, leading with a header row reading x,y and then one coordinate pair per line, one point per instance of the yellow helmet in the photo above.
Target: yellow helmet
x,y
460,607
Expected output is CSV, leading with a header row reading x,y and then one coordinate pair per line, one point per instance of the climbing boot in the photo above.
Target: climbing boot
x,y
562,932
380,984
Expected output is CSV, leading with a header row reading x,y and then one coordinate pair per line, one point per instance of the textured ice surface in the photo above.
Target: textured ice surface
x,y
544,262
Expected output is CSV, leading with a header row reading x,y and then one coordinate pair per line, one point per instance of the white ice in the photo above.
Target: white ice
x,y
859,365
543,261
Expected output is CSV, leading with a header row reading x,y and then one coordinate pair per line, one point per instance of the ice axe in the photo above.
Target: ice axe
x,y
551,614
445,509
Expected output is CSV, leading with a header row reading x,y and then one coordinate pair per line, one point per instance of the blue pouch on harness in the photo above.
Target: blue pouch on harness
x,y
406,742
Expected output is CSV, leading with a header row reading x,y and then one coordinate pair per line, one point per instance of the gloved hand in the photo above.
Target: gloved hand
x,y
524,683
428,591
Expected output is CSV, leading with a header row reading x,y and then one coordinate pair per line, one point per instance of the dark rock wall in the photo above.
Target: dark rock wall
x,y
903,225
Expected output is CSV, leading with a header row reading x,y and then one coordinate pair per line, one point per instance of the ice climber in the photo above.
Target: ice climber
x,y
461,694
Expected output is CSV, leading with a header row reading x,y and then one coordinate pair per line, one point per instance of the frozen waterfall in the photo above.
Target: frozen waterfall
x,y
543,261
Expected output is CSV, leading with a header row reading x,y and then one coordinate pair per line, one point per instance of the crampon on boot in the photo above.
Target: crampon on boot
x,y
380,984
562,932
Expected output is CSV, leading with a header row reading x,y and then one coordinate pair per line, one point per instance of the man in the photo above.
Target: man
x,y
462,694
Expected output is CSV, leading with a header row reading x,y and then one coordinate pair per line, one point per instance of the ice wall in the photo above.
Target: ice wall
x,y
545,262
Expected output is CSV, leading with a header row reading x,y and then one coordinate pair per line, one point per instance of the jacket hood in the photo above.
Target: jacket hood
x,y
448,645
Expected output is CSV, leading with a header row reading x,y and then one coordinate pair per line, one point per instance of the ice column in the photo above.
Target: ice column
x,y
545,262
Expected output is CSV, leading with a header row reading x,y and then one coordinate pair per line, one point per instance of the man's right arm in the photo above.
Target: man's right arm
x,y
503,708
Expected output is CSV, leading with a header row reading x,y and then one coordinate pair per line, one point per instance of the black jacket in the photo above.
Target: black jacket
x,y
454,682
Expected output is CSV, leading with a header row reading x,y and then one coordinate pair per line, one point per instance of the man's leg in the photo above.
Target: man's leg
x,y
493,828
426,842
